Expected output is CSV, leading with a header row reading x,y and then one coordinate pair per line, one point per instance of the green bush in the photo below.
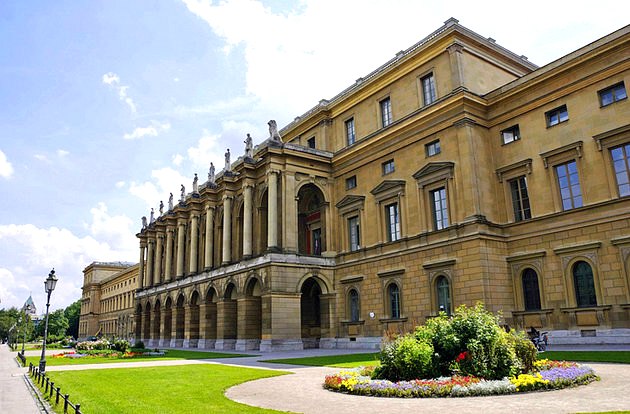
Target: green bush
x,y
524,349
407,359
120,345
139,345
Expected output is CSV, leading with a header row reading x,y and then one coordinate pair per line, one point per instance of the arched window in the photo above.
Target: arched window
x,y
584,285
443,295
394,300
531,292
353,299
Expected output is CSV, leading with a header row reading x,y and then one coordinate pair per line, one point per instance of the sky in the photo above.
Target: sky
x,y
108,106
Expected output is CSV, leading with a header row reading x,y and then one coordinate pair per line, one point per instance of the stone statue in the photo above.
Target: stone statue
x,y
196,184
211,174
183,195
161,207
144,222
227,161
170,202
152,219
249,147
274,135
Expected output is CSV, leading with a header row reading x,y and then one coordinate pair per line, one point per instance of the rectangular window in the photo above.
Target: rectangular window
x,y
386,112
388,167
613,94
311,142
351,182
555,116
354,233
393,222
433,148
569,185
510,134
439,208
350,136
520,199
621,163
428,89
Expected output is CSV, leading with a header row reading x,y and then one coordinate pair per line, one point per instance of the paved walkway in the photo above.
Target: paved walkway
x,y
302,390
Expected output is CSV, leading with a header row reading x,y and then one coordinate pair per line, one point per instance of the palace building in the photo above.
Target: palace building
x,y
456,172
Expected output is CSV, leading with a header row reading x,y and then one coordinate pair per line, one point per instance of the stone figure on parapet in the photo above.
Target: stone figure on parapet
x,y
161,207
274,135
249,147
170,202
196,184
144,222
182,198
211,174
227,161
152,220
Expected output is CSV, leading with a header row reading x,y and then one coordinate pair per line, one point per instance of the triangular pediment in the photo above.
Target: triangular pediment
x,y
433,167
388,185
350,200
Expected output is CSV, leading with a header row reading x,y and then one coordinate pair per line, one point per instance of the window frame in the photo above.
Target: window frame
x,y
516,134
581,291
385,106
354,223
435,145
395,306
352,310
443,222
394,229
439,290
388,167
311,142
351,182
429,90
612,90
521,213
573,198
625,160
350,130
531,297
549,116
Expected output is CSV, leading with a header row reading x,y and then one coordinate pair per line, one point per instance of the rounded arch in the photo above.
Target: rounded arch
x,y
230,291
322,280
312,183
353,304
311,219
392,290
194,294
212,294
570,282
530,288
443,290
253,286
156,306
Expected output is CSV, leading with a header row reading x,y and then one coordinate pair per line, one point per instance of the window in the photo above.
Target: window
x,y
443,295
393,222
394,300
510,134
354,233
353,299
520,199
428,89
621,163
350,136
531,292
439,208
613,94
388,167
386,112
317,242
569,185
311,142
557,115
584,285
351,182
433,148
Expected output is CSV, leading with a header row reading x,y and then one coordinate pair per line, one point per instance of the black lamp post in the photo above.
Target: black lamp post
x,y
27,311
49,283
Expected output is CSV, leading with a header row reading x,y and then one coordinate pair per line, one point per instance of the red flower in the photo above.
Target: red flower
x,y
461,356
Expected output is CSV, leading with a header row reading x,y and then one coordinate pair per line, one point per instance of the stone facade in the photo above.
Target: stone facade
x,y
456,172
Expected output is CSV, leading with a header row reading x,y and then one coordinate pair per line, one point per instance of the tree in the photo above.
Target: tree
x,y
8,318
57,325
72,314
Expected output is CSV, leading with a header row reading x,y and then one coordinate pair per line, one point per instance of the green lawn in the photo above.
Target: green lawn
x,y
170,355
587,356
339,361
178,389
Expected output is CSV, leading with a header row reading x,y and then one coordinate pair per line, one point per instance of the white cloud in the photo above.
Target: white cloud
x,y
41,157
113,80
6,169
178,159
120,184
62,153
152,130
164,181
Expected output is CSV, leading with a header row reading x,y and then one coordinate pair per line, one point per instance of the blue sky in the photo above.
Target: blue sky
x,y
107,106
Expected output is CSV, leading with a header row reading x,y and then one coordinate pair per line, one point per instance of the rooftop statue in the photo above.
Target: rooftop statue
x,y
211,174
161,207
249,146
183,195
274,135
144,222
227,161
170,202
152,219
196,184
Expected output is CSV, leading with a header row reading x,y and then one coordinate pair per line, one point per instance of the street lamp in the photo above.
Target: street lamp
x,y
49,285
27,311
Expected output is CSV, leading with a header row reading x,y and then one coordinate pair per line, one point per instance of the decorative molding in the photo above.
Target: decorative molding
x,y
613,137
523,167
434,171
526,256
350,202
351,279
391,273
566,151
439,264
577,248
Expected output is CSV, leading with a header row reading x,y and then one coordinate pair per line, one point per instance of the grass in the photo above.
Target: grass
x,y
338,361
177,389
622,357
171,354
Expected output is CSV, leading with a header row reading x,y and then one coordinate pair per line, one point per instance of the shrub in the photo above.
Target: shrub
x,y
139,345
408,359
120,345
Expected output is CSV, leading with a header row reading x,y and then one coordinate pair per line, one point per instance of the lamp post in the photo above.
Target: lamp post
x,y
49,285
27,311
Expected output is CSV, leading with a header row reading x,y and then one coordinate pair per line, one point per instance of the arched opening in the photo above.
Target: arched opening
x,y
210,331
393,298
260,229
156,321
238,240
168,322
194,320
443,294
138,317
531,291
310,313
584,283
147,322
180,318
227,323
250,328
311,221
355,310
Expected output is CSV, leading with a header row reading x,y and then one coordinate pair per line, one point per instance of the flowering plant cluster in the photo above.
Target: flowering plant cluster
x,y
554,375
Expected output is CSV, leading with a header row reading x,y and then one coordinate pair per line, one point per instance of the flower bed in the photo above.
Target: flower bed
x,y
549,375
107,354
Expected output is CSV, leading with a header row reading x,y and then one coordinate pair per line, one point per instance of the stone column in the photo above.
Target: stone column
x,y
181,240
289,213
227,229
143,247
272,211
194,243
247,220
209,237
150,262
157,273
168,261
